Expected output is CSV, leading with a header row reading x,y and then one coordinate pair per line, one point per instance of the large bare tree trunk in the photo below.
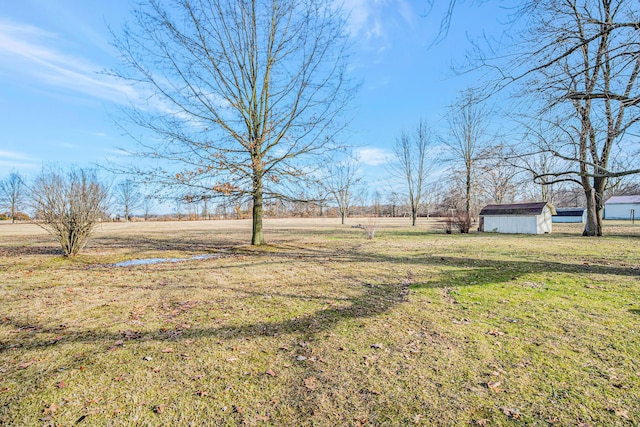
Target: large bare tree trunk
x,y
257,238
590,227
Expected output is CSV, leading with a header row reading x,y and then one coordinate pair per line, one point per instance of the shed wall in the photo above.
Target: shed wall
x,y
544,221
510,224
621,211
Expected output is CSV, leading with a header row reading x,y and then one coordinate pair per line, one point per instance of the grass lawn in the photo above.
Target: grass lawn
x,y
322,327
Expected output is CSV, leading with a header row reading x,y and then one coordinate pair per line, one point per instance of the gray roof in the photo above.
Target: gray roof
x,y
569,211
521,209
624,200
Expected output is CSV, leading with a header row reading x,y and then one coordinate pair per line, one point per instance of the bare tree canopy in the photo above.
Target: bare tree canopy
x,y
127,196
468,143
12,193
69,206
240,93
575,66
585,71
340,182
414,163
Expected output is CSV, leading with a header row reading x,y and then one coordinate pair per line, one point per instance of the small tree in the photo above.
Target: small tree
x,y
414,164
69,206
128,197
12,193
341,181
468,125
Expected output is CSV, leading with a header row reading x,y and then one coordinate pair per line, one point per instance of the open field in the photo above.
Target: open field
x,y
322,327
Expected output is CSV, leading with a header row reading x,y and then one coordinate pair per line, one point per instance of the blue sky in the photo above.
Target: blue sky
x,y
55,102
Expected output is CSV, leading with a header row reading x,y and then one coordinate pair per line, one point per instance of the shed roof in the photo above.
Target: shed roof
x,y
624,200
569,211
520,209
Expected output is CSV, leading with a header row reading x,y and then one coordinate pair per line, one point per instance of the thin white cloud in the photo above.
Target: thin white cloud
x,y
372,21
373,156
27,51
14,155
13,160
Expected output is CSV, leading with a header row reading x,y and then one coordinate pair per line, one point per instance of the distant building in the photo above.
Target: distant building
x,y
578,215
517,218
622,207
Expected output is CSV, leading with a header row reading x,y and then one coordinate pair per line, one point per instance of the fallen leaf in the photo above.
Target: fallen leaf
x,y
494,386
25,365
264,418
167,350
511,412
271,373
482,422
61,384
158,409
116,345
202,393
311,383
496,333
51,409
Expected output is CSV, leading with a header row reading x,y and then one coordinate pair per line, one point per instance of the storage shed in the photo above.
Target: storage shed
x,y
523,218
622,207
578,215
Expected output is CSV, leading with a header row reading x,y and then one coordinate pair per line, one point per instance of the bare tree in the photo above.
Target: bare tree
x,y
414,163
243,94
589,84
12,193
577,66
500,178
468,142
69,206
341,181
128,197
147,205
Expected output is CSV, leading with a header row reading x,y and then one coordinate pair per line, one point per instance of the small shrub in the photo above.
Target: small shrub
x,y
463,222
69,206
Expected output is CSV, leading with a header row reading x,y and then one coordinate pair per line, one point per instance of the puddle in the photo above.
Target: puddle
x,y
151,261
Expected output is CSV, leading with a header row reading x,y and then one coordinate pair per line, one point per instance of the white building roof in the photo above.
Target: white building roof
x,y
624,200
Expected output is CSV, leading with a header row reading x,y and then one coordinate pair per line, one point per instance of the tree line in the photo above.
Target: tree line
x,y
245,101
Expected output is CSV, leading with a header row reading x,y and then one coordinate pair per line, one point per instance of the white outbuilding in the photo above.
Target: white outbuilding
x,y
622,207
576,215
522,218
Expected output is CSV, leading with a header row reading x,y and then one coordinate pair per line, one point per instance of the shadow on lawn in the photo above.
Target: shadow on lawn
x,y
374,299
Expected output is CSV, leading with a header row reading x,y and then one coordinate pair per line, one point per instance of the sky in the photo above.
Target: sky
x,y
57,104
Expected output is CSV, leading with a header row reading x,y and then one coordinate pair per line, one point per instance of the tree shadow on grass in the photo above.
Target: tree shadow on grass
x,y
373,301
